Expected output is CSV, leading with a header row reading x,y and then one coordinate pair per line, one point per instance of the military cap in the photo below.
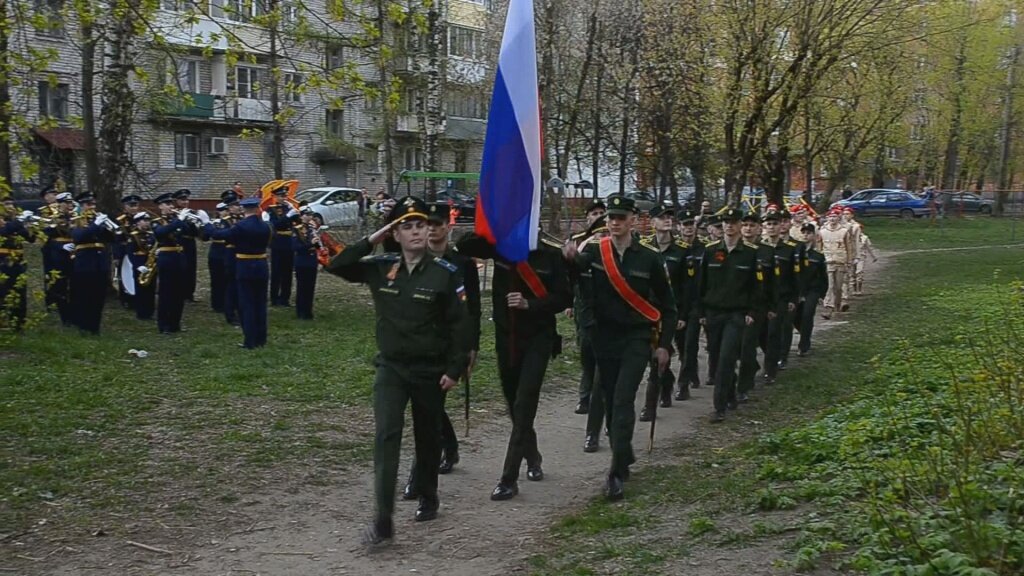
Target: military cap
x,y
85,197
131,198
228,196
809,227
437,213
221,206
731,215
687,216
847,210
659,211
181,193
619,204
408,208
64,197
772,214
165,198
599,225
750,215
595,205
785,215
249,202
142,216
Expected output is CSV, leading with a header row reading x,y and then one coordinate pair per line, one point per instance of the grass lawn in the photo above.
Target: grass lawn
x,y
85,426
790,468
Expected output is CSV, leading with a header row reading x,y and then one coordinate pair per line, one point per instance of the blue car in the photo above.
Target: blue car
x,y
887,202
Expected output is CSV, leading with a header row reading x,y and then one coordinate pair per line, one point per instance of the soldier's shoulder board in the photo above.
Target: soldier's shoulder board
x,y
682,243
551,243
752,245
387,257
446,265
649,244
792,243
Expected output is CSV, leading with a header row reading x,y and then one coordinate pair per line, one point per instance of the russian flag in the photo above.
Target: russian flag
x,y
508,209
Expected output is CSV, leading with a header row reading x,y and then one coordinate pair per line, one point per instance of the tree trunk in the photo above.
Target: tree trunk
x,y
118,113
387,113
277,128
952,155
1006,135
433,110
93,182
6,171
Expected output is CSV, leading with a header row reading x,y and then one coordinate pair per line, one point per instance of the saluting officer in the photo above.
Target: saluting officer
x,y
189,232
635,310
732,295
141,243
527,296
251,237
420,322
171,264
673,252
90,265
13,281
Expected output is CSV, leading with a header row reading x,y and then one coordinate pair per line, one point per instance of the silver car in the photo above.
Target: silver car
x,y
337,206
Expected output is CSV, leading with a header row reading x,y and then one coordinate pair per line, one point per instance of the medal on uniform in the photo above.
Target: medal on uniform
x,y
393,273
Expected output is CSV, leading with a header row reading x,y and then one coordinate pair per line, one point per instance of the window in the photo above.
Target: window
x,y
187,75
293,87
335,123
892,153
461,159
410,100
247,81
52,21
186,150
465,105
412,158
244,10
289,12
172,5
335,57
53,100
464,42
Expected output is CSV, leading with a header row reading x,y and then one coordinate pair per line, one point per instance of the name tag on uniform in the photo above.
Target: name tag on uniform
x,y
385,290
424,294
639,274
742,267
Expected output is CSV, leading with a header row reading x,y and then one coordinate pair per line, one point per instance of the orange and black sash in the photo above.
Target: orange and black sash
x,y
618,281
533,282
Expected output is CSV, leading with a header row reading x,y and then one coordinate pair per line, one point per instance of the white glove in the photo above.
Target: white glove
x,y
293,213
26,215
203,217
142,269
183,215
70,247
101,219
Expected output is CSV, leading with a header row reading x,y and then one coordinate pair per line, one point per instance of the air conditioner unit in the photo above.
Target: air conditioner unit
x,y
218,146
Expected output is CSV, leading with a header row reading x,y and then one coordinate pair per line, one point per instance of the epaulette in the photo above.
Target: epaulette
x,y
136,232
579,236
382,258
551,243
752,245
446,264
648,242
708,242
791,243
682,243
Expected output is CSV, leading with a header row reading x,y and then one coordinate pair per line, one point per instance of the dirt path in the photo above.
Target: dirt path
x,y
311,531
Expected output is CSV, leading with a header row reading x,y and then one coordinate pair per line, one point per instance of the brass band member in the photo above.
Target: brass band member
x,y
281,253
57,258
141,253
187,239
13,235
171,265
305,243
90,273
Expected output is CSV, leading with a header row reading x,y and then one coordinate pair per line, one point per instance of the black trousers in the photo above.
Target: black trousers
x,y
621,361
305,288
145,301
281,263
807,309
659,387
57,284
88,294
689,350
217,283
252,307
230,293
725,338
522,374
172,283
783,322
588,363
191,268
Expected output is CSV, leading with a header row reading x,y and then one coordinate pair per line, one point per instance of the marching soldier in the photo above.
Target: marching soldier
x,y
438,245
189,232
673,253
786,292
91,264
141,243
251,238
813,287
420,323
57,258
527,297
688,343
584,320
172,271
13,280
635,311
215,260
732,296
231,315
838,251
755,333
305,242
281,253
858,269
856,231
123,244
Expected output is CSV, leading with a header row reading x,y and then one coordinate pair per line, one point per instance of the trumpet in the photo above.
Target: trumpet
x,y
188,214
29,218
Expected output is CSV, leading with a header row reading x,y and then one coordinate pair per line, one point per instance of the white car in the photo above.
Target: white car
x,y
338,206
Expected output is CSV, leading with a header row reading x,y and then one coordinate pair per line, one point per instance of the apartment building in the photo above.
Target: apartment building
x,y
205,117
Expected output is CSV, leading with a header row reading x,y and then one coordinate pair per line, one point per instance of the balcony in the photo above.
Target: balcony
x,y
407,123
470,129
200,106
210,108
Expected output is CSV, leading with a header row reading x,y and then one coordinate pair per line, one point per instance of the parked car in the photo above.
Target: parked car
x,y
886,202
647,200
465,203
963,202
338,206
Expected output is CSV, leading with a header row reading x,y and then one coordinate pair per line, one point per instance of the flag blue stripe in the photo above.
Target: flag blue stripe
x,y
507,181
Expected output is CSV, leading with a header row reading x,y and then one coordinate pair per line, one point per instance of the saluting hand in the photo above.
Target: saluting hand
x,y
447,383
379,236
661,356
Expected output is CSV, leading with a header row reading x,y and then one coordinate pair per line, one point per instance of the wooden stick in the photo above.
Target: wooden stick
x,y
148,547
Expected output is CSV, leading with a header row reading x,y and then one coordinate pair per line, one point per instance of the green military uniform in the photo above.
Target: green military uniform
x,y
659,387
623,337
813,287
524,340
756,334
787,293
583,312
688,340
420,319
732,287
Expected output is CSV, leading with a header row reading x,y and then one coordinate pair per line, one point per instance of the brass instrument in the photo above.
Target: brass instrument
x,y
147,272
189,215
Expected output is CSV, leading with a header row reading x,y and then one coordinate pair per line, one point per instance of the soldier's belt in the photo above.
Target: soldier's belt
x,y
250,256
283,233
140,253
61,239
93,246
11,252
229,245
170,249
220,241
